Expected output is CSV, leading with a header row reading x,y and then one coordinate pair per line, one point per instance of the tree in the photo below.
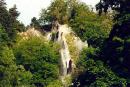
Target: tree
x,y
3,36
13,21
16,24
85,23
4,16
8,19
2,3
14,13
56,11
40,58
118,42
10,74
94,73
35,23
89,26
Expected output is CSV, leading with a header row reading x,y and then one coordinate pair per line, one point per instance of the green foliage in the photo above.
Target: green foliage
x,y
86,53
3,36
117,44
56,11
8,19
16,26
38,57
35,23
7,56
89,26
55,83
72,48
35,62
10,74
59,10
95,73
14,13
4,15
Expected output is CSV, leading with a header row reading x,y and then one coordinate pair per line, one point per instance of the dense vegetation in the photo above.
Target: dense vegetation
x,y
35,62
9,22
114,53
29,63
118,41
84,22
39,58
89,26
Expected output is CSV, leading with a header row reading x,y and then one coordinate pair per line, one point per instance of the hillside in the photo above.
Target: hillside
x,y
68,45
65,38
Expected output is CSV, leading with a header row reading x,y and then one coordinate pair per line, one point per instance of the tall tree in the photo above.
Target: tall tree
x,y
11,75
4,15
3,36
2,3
14,13
13,16
8,19
35,22
56,11
17,25
118,44
88,25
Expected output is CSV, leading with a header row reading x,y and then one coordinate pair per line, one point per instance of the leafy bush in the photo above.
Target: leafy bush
x,y
40,58
95,73
89,26
10,74
3,36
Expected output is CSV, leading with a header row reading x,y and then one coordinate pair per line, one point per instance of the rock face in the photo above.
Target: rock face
x,y
59,35
66,38
70,46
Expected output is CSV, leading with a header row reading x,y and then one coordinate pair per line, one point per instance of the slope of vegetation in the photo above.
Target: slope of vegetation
x,y
72,48
39,58
29,63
